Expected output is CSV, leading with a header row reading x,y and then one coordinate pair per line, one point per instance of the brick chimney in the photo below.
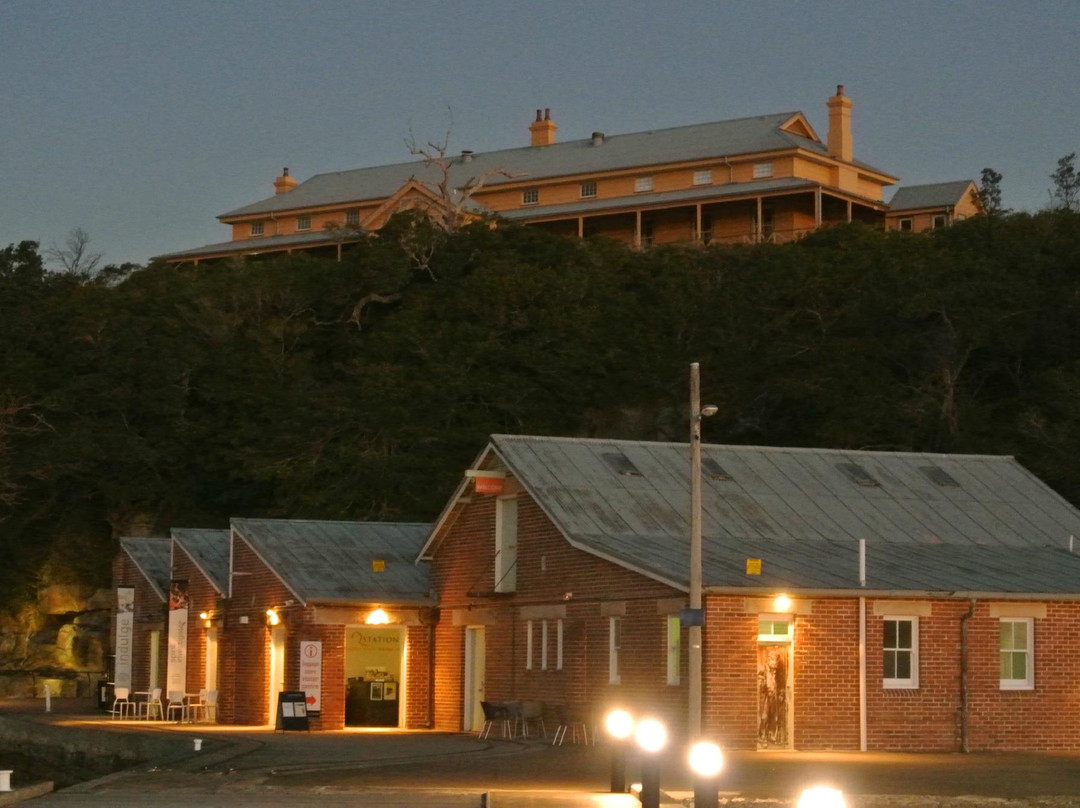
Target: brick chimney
x,y
284,182
543,129
839,143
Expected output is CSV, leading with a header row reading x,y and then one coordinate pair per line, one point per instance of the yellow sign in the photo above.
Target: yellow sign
x,y
378,565
753,566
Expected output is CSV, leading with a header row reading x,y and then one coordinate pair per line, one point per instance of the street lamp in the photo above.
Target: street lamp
x,y
651,737
620,726
706,761
697,412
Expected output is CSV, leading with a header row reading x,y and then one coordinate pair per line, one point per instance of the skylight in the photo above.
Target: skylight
x,y
621,464
713,470
939,476
857,474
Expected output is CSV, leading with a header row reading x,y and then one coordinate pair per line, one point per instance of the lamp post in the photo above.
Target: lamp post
x,y
697,412
651,737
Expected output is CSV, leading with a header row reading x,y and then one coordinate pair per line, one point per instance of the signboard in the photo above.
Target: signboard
x,y
292,713
489,485
311,674
125,628
753,566
176,672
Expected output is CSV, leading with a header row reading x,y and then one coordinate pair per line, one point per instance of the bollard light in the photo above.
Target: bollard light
x,y
821,797
706,761
651,737
620,726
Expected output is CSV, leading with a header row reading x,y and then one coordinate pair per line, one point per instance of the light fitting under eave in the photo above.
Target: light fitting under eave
x,y
379,617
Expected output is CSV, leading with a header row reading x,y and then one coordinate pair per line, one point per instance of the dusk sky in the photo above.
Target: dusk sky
x,y
141,121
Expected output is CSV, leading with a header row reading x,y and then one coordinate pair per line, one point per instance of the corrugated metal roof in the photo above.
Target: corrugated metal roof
x,y
209,549
1000,529
153,557
266,244
936,195
695,142
331,562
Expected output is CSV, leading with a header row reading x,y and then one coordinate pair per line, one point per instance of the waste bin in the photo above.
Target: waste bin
x,y
103,694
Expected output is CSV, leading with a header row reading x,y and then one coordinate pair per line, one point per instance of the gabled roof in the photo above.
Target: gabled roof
x,y
331,562
932,522
153,558
935,195
764,133
209,551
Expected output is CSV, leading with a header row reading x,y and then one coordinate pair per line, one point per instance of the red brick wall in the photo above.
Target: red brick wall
x,y
826,676
729,679
149,616
202,597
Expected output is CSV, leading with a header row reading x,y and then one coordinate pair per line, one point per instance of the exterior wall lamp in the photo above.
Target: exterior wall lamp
x,y
782,604
378,617
272,617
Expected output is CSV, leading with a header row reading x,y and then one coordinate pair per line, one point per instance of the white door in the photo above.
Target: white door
x,y
473,718
211,658
155,656
277,670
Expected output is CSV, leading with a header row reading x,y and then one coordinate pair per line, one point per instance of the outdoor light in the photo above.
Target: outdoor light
x,y
709,410
272,617
821,797
379,617
620,726
206,617
782,603
651,737
706,761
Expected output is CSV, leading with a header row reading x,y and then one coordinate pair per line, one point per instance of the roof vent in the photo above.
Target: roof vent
x,y
621,464
598,138
857,474
466,155
939,476
714,470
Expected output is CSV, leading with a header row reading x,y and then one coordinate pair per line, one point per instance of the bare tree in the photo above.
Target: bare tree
x,y
75,256
1067,183
17,418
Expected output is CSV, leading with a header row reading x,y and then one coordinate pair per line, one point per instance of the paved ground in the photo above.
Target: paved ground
x,y
241,767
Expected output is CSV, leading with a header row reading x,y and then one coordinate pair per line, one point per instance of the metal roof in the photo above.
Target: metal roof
x,y
936,195
266,244
331,562
153,558
998,529
209,550
682,143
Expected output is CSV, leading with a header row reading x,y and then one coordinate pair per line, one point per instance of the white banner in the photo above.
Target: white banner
x,y
311,674
176,673
125,628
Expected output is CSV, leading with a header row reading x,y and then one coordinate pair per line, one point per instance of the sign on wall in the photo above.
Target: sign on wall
x,y
176,673
311,674
125,641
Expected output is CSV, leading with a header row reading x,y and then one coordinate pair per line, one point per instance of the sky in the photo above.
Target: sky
x,y
140,121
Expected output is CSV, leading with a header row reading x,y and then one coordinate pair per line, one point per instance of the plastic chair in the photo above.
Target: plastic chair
x,y
152,707
533,711
569,719
122,704
494,713
177,705
196,707
210,706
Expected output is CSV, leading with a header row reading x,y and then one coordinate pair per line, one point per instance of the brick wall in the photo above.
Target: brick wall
x,y
202,597
149,617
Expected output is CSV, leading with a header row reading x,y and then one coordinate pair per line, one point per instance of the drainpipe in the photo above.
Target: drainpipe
x,y
964,745
431,678
862,648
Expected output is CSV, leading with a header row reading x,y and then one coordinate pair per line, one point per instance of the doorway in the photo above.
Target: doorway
x,y
375,675
277,670
211,659
475,667
775,683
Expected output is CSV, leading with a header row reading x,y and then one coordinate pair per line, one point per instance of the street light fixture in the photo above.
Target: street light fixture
x,y
651,737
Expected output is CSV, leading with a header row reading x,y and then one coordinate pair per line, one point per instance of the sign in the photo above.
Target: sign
x,y
311,674
292,712
489,485
692,617
125,628
753,566
176,672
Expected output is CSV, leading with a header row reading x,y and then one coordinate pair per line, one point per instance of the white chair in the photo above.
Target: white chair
x,y
152,707
122,703
210,706
196,707
177,705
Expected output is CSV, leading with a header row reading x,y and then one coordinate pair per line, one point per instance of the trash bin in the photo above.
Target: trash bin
x,y
103,694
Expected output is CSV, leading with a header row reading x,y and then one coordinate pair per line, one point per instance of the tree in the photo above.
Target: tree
x,y
988,197
1067,183
75,257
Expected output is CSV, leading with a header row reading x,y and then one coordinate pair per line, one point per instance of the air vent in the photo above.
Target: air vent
x,y
857,474
939,476
713,470
621,463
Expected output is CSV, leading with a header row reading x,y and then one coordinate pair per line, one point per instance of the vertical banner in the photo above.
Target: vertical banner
x,y
125,628
311,674
176,673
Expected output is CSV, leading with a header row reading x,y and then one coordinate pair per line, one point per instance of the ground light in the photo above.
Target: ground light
x,y
651,738
706,761
620,726
821,797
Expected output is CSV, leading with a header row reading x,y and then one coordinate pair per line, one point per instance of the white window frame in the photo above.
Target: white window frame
x,y
674,648
588,189
352,218
643,184
703,176
258,229
530,196
303,222
1028,682
528,645
763,171
614,646
559,644
939,220
911,682
506,539
905,225
543,645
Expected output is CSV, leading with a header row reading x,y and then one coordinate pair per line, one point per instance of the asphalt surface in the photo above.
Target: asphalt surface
x,y
241,767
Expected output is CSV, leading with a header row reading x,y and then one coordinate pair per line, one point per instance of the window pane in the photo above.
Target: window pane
x,y
1006,636
904,627
903,665
890,633
890,664
1019,665
1020,635
1006,667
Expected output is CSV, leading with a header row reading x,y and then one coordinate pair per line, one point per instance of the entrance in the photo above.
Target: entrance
x,y
475,666
211,658
775,683
277,670
374,676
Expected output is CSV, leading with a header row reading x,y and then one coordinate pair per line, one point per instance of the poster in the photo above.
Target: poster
x,y
176,673
311,674
125,628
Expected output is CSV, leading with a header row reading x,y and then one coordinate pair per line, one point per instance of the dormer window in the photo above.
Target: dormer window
x,y
303,222
257,228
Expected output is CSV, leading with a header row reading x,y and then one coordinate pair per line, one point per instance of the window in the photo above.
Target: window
x,y
762,170
257,228
303,222
543,645
558,644
588,190
905,225
614,646
938,221
352,218
506,544
643,184
1017,653
530,196
900,649
674,648
528,645
772,629
703,177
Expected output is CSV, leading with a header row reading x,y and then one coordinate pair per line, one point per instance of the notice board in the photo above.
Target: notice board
x,y
292,711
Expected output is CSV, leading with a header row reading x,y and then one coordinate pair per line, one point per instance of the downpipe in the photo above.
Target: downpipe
x,y
964,743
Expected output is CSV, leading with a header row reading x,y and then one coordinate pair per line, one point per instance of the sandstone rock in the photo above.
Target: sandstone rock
x,y
63,598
